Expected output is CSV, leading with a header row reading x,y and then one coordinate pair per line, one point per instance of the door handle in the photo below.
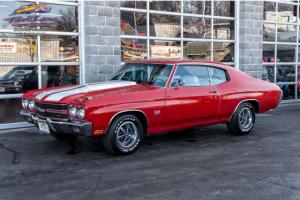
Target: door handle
x,y
213,91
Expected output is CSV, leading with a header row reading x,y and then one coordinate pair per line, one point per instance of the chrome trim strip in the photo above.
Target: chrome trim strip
x,y
240,104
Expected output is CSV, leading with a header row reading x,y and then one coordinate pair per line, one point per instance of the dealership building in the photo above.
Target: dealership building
x,y
50,43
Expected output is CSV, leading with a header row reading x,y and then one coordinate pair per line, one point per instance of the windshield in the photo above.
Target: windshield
x,y
152,74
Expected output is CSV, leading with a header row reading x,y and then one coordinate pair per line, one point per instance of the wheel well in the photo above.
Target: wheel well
x,y
255,105
138,114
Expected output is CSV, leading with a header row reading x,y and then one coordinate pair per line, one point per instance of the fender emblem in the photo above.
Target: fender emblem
x,y
156,112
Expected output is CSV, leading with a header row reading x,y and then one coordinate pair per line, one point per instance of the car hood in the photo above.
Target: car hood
x,y
89,91
7,81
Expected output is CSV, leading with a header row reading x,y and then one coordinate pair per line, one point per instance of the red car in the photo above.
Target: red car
x,y
150,97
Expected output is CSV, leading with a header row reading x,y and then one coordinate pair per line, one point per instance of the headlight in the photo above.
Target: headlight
x,y
25,103
81,113
17,84
31,104
72,111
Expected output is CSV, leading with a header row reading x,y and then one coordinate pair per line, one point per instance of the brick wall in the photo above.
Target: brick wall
x,y
251,37
102,39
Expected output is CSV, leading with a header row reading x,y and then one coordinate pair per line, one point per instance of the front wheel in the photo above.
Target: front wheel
x,y
124,135
243,120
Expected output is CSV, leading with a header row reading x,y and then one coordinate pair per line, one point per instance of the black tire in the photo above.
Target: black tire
x,y
112,140
235,126
63,137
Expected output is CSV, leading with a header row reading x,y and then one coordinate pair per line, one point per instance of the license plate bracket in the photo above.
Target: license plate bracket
x,y
43,127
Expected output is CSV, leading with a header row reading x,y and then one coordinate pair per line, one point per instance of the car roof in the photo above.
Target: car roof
x,y
172,62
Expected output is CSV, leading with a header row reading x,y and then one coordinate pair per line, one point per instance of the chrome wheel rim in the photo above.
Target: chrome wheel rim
x,y
127,134
245,119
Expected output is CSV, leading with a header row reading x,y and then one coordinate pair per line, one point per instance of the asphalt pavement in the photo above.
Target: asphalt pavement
x,y
204,163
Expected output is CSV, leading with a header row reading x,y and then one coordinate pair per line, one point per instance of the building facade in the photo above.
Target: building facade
x,y
50,43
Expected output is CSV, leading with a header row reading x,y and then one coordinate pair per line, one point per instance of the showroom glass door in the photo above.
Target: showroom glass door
x,y
39,48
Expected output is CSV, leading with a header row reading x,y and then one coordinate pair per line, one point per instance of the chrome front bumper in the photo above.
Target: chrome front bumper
x,y
73,128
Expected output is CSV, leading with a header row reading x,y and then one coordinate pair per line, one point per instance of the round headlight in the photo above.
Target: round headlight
x,y
17,84
81,113
25,103
72,111
31,104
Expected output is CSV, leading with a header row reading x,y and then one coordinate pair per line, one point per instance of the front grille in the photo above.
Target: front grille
x,y
49,110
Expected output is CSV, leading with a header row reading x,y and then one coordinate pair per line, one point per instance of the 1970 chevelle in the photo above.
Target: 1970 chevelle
x,y
150,97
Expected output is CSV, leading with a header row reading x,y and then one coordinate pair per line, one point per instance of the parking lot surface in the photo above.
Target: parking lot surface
x,y
204,163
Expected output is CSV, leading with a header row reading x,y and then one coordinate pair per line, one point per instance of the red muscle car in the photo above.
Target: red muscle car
x,y
150,97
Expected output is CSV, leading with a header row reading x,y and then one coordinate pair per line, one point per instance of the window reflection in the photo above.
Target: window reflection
x,y
223,52
59,48
197,50
286,53
269,73
224,8
197,7
288,91
286,33
285,73
133,23
268,53
170,6
165,49
164,25
298,82
195,27
269,11
133,49
18,48
223,29
134,4
18,79
16,15
287,13
59,75
269,32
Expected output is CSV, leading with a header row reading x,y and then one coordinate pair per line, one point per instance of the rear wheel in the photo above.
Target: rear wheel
x,y
243,120
124,135
63,137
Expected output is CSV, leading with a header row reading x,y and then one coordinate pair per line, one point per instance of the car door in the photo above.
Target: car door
x,y
190,98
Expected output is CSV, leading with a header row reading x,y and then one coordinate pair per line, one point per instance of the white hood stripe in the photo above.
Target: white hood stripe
x,y
88,88
48,92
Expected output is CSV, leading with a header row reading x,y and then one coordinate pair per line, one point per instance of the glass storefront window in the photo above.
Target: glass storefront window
x,y
17,15
197,7
269,73
287,13
18,79
164,25
223,52
197,50
286,53
18,47
169,6
11,108
134,4
133,23
195,27
288,91
165,49
269,32
223,29
59,48
59,75
298,82
269,11
285,73
133,49
224,8
286,33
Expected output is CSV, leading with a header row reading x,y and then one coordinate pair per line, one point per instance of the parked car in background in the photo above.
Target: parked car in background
x,y
150,97
19,79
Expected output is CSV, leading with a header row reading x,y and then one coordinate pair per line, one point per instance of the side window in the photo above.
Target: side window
x,y
218,76
191,76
